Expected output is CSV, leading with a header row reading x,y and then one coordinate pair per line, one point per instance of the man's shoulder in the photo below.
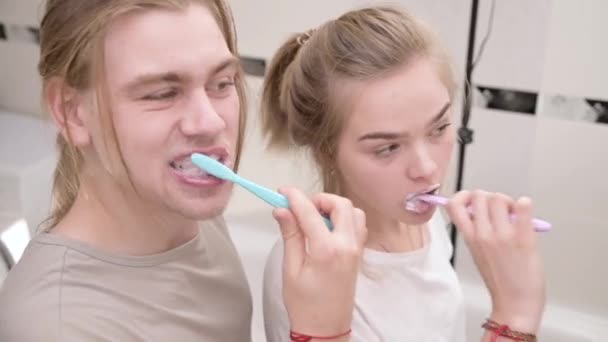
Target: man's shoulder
x,y
28,316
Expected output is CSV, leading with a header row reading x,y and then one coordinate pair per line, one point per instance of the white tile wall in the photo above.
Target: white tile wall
x,y
515,52
576,49
20,86
21,11
568,179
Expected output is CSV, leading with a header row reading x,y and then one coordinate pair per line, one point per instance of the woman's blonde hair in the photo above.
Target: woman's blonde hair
x,y
299,102
71,50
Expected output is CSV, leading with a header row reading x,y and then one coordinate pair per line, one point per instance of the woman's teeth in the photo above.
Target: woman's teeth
x,y
417,206
413,204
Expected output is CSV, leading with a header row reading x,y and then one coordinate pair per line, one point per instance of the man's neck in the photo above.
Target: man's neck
x,y
109,220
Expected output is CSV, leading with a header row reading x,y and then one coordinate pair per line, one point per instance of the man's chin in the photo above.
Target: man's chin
x,y
202,209
206,213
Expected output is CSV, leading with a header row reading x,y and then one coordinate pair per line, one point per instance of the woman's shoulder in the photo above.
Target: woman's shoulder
x,y
274,266
276,322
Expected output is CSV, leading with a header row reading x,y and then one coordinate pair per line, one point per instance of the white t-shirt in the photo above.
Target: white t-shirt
x,y
402,297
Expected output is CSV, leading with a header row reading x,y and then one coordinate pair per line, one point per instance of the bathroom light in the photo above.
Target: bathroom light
x,y
15,238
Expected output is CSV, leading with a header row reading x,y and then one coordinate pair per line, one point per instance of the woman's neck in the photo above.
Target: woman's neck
x,y
110,219
393,236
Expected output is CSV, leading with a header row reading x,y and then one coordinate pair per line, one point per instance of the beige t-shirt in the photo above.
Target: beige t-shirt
x,y
63,290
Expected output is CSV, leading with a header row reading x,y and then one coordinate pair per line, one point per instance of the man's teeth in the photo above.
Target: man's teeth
x,y
191,171
186,167
186,163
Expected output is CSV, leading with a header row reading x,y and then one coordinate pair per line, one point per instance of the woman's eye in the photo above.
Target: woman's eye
x,y
440,130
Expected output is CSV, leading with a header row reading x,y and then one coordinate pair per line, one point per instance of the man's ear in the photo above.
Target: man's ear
x,y
68,109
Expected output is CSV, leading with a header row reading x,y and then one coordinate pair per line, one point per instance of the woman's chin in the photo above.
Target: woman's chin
x,y
418,217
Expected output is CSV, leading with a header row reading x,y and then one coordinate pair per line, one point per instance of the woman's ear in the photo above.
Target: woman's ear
x,y
68,110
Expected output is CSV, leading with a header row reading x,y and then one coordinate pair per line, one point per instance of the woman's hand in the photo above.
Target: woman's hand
x,y
320,267
506,254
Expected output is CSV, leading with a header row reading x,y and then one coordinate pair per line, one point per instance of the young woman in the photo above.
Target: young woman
x,y
370,96
135,87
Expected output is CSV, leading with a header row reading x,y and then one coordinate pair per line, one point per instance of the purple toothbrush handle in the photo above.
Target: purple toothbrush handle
x,y
539,225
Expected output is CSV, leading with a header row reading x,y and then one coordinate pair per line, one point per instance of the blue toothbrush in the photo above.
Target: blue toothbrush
x,y
219,170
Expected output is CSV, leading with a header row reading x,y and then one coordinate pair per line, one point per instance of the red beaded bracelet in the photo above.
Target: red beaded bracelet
x,y
297,337
503,330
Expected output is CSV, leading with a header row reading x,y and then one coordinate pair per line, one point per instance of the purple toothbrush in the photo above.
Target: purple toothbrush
x,y
539,225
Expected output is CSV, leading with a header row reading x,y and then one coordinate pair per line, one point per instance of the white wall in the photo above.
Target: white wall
x,y
27,161
36,184
10,198
20,89
27,12
260,34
